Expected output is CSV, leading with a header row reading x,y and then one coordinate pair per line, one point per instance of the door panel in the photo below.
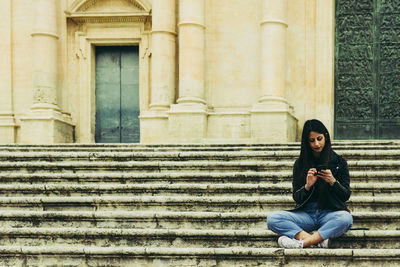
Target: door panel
x,y
129,98
367,52
117,95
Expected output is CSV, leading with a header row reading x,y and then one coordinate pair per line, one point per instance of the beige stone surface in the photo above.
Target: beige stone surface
x,y
233,53
242,60
163,65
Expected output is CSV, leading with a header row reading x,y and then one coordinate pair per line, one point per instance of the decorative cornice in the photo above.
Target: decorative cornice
x,y
100,17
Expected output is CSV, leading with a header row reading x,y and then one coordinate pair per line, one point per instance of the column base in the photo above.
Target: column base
x,y
187,123
7,128
273,122
154,127
46,126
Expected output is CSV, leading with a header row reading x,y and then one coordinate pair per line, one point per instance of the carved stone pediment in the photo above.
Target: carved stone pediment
x,y
111,6
109,10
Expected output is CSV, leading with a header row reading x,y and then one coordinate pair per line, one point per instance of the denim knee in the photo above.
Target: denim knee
x,y
345,219
337,225
273,219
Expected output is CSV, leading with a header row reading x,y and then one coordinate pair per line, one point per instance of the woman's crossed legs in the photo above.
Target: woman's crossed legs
x,y
299,224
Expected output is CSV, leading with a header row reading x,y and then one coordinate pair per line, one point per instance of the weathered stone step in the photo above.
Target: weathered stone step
x,y
165,166
185,156
110,237
354,144
185,203
382,220
273,176
166,256
180,189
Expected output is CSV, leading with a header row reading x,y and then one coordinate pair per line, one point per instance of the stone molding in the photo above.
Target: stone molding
x,y
47,34
85,41
80,12
191,23
284,23
84,5
165,31
7,120
109,17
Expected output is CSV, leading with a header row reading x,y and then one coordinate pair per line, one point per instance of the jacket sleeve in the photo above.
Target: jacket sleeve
x,y
341,188
300,194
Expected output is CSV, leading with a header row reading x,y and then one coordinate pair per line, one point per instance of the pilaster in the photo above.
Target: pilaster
x,y
163,54
272,117
45,122
188,118
7,121
163,71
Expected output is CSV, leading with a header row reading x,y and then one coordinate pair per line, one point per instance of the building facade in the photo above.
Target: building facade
x,y
175,71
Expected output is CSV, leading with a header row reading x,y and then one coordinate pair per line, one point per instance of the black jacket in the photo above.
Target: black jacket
x,y
332,197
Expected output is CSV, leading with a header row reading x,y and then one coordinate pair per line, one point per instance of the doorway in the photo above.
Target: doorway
x,y
117,94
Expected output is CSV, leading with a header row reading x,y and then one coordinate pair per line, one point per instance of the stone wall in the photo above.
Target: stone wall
x,y
210,71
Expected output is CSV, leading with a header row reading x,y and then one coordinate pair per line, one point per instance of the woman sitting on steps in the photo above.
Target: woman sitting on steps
x,y
321,186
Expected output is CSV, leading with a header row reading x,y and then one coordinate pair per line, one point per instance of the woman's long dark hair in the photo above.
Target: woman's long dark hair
x,y
307,159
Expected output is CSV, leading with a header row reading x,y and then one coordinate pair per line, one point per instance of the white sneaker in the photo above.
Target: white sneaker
x,y
286,242
324,243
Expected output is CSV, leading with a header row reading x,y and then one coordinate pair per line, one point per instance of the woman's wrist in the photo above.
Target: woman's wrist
x,y
307,187
332,182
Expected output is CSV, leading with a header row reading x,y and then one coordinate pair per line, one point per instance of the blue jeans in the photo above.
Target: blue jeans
x,y
330,224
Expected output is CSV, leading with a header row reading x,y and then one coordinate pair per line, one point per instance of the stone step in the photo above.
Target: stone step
x,y
211,177
184,203
166,256
110,237
383,220
354,144
175,166
188,156
180,189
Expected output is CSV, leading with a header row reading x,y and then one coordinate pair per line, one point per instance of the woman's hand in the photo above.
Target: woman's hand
x,y
311,178
327,176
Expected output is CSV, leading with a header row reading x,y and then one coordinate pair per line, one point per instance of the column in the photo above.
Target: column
x,y
272,118
7,121
45,123
163,66
163,72
188,118
191,51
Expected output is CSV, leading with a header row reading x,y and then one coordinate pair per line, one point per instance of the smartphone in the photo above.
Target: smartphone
x,y
320,168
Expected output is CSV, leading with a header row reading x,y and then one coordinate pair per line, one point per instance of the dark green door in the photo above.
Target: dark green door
x,y
117,94
367,69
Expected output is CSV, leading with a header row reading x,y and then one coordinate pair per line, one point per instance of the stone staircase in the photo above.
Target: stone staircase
x,y
183,205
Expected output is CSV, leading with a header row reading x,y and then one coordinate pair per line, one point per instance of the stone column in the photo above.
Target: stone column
x,y
163,54
188,118
272,118
192,51
45,123
163,72
7,121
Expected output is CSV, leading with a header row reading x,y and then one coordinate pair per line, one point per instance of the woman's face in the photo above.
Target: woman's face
x,y
317,142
